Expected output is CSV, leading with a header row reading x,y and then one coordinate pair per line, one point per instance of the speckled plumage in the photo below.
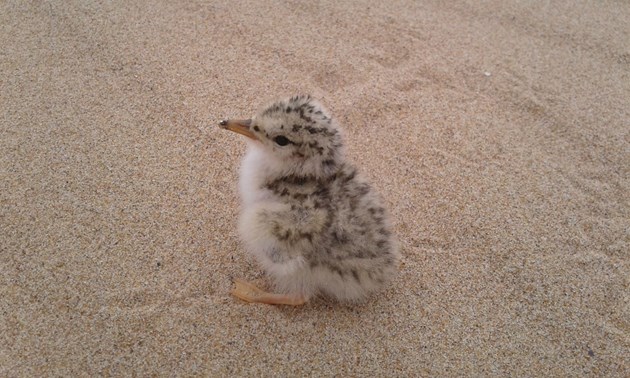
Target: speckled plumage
x,y
308,216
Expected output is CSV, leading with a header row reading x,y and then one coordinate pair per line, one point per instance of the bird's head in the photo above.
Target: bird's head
x,y
297,133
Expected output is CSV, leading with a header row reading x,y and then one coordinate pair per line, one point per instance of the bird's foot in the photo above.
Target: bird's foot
x,y
250,293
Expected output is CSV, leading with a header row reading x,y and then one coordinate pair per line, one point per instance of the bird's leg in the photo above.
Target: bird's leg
x,y
250,293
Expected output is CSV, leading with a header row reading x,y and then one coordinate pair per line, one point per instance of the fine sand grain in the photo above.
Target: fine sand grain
x,y
498,132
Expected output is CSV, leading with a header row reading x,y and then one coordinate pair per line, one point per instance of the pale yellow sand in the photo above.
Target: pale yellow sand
x,y
498,132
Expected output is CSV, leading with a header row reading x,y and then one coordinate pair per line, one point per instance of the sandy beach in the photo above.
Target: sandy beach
x,y
497,132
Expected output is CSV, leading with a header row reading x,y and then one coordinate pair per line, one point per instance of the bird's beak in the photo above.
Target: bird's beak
x,y
240,126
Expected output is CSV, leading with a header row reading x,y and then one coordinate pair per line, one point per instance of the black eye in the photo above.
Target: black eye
x,y
281,140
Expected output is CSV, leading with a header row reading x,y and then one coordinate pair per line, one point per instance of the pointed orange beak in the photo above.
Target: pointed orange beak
x,y
239,126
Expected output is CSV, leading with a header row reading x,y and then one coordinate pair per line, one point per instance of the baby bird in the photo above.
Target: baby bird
x,y
309,218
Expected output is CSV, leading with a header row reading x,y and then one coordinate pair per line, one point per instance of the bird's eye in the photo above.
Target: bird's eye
x,y
281,140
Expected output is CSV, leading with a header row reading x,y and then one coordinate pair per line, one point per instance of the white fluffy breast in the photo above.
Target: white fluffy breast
x,y
255,167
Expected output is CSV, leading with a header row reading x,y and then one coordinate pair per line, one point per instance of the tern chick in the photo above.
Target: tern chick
x,y
308,216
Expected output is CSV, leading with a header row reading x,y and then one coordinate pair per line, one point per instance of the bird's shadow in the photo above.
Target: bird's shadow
x,y
323,305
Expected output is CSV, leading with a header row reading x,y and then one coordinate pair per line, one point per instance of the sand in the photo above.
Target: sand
x,y
498,132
